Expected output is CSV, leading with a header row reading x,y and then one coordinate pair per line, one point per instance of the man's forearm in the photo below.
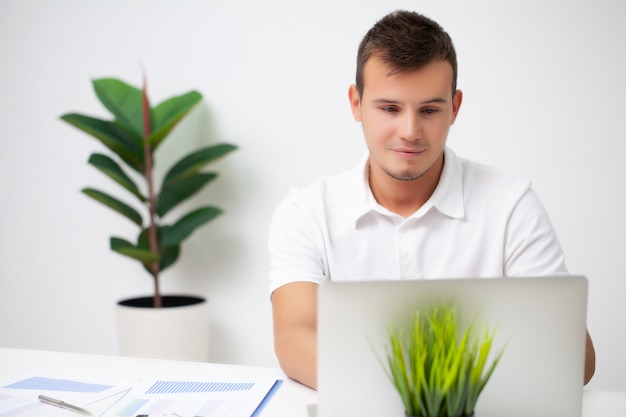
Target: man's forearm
x,y
590,359
296,350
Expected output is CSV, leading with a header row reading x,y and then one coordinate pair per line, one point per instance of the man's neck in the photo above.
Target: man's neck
x,y
400,196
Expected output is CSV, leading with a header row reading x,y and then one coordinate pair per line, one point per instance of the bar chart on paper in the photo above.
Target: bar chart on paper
x,y
160,397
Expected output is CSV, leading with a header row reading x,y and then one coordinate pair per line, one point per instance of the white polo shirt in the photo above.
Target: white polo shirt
x,y
479,222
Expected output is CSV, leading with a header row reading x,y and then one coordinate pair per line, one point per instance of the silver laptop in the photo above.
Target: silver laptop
x,y
541,323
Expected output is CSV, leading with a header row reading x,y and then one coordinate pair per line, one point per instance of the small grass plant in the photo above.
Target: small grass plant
x,y
439,368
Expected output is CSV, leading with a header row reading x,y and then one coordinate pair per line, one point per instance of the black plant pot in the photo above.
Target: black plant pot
x,y
167,300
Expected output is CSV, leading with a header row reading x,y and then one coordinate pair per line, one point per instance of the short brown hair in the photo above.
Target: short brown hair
x,y
405,41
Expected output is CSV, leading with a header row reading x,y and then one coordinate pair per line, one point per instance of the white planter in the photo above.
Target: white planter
x,y
173,332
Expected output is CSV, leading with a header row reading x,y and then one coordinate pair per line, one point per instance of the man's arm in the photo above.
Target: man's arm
x,y
295,330
532,249
590,360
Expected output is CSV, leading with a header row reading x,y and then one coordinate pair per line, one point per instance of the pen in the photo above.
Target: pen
x,y
63,405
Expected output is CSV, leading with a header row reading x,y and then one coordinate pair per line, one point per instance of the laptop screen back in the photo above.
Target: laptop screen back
x,y
540,323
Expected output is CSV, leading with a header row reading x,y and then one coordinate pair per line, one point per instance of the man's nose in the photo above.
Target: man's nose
x,y
410,128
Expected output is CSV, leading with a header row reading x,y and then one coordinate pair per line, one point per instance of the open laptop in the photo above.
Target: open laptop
x,y
540,322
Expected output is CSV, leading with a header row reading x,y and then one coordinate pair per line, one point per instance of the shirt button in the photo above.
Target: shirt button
x,y
404,257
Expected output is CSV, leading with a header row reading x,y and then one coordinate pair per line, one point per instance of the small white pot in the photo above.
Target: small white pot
x,y
177,331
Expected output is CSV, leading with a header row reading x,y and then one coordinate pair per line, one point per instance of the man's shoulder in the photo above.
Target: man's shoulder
x,y
481,185
479,175
335,194
330,185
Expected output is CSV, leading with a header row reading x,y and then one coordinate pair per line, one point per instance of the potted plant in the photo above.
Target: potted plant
x,y
438,369
132,137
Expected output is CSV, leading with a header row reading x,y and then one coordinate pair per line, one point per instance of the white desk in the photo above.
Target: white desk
x,y
289,401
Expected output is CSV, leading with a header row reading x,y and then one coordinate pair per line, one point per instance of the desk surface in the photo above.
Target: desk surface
x,y
291,400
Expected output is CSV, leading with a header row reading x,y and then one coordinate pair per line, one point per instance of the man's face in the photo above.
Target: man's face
x,y
406,118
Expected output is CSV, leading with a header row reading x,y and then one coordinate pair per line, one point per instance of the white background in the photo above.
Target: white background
x,y
544,96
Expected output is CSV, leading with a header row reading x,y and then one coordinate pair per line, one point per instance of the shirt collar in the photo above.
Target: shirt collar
x,y
447,197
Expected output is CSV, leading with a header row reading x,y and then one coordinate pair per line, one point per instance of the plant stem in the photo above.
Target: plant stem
x,y
152,229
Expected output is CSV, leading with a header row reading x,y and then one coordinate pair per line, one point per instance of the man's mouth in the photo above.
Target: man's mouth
x,y
409,152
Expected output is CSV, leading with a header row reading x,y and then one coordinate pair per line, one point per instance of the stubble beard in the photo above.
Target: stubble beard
x,y
406,175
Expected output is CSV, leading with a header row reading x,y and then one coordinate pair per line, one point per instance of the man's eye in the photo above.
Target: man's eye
x,y
429,111
389,109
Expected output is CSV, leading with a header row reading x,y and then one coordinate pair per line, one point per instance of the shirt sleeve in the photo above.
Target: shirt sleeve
x,y
531,245
296,244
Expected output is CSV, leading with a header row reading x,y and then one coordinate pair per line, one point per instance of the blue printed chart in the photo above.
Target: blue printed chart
x,y
166,397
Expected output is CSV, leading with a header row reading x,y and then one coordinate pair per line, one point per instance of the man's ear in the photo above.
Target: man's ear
x,y
456,104
355,102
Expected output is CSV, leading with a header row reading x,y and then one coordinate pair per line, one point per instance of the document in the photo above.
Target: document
x,y
20,397
169,397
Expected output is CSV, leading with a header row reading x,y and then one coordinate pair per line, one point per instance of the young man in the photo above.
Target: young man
x,y
412,209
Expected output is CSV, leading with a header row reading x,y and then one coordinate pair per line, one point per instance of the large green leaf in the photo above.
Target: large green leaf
x,y
195,161
123,100
167,114
124,247
115,204
110,168
126,145
184,227
169,254
181,191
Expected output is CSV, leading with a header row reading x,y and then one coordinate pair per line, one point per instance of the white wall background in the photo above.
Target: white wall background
x,y
544,85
